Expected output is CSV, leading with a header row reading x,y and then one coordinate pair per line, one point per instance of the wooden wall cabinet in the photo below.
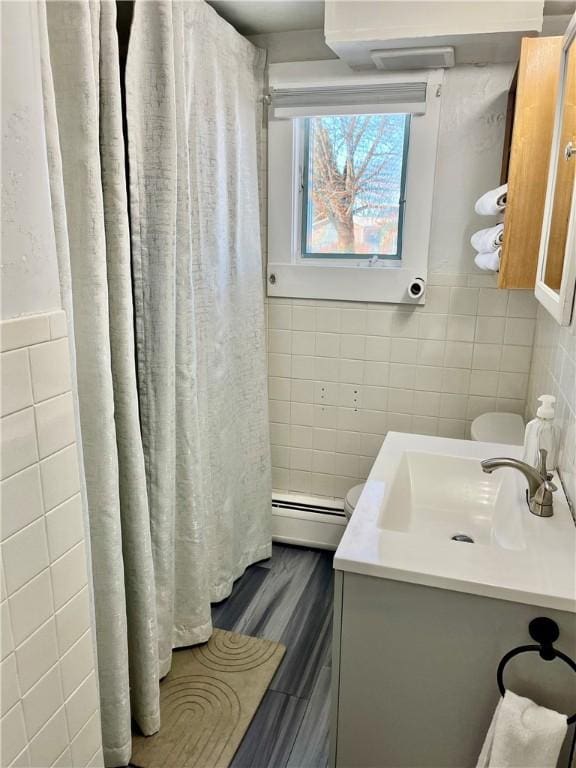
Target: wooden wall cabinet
x,y
526,158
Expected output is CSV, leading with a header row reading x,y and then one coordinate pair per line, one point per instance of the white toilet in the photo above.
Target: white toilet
x,y
352,499
505,428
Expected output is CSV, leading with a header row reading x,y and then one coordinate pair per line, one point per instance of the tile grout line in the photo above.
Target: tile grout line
x,y
43,496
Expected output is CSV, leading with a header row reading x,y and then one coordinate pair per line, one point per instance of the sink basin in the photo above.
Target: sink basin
x,y
436,496
423,491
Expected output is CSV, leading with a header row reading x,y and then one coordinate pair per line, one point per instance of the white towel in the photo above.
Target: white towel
x,y
489,260
488,239
523,735
492,203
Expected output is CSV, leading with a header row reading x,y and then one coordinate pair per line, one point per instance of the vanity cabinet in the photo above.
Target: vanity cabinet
x,y
414,672
526,158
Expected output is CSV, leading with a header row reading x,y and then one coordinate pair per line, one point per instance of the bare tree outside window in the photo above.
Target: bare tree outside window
x,y
354,185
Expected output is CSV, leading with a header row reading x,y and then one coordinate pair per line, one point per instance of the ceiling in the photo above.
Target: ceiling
x,y
252,17
559,7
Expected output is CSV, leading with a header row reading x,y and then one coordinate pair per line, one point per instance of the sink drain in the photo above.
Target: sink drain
x,y
463,537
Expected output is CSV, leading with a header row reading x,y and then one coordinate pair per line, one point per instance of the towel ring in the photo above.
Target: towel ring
x,y
545,632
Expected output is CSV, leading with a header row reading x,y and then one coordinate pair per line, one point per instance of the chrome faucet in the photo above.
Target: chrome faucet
x,y
540,485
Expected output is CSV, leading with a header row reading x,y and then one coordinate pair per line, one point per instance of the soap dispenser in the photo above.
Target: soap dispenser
x,y
541,433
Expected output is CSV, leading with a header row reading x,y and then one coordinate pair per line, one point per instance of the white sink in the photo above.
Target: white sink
x,y
422,491
436,496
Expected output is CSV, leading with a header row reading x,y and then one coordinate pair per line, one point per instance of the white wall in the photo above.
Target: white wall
x,y
49,700
553,372
471,136
29,268
343,374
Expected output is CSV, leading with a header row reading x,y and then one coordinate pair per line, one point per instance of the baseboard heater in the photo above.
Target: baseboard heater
x,y
307,521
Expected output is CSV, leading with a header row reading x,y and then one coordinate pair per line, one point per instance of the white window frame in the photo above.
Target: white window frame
x,y
289,274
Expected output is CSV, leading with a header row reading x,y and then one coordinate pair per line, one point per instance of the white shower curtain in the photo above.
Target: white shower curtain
x,y
88,190
175,449
193,90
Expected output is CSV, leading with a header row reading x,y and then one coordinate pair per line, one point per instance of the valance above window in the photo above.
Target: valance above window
x,y
407,98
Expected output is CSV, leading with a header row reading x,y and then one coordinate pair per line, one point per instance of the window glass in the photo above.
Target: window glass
x,y
353,185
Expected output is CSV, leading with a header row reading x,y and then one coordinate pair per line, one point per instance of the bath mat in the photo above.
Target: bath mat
x,y
207,702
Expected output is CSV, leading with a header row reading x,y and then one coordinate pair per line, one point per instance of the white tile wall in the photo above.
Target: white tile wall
x,y
553,372
341,375
50,714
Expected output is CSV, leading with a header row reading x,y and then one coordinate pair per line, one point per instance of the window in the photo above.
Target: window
x,y
351,164
354,179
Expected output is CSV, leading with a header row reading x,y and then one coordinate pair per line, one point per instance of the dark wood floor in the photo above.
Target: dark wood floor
x,y
287,598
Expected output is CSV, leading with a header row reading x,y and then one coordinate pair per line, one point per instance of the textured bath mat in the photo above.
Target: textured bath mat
x,y
207,702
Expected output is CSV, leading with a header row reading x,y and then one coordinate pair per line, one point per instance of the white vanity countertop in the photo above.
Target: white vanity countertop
x,y
518,556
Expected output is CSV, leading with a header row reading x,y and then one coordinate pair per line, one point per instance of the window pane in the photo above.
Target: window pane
x,y
354,185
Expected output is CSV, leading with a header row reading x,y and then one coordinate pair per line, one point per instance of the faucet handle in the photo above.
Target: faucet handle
x,y
541,504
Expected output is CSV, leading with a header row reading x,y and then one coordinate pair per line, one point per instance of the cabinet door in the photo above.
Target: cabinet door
x,y
564,184
556,278
529,158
